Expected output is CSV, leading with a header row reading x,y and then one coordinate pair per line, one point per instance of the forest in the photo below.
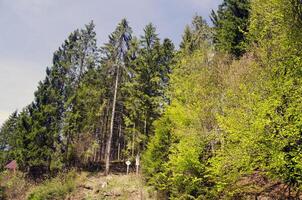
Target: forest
x,y
219,117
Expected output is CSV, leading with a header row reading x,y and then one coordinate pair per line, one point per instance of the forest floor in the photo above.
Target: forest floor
x,y
83,185
96,186
77,185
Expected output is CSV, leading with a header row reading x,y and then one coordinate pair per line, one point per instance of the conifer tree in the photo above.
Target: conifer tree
x,y
55,102
196,36
81,58
20,145
146,90
7,133
115,57
231,26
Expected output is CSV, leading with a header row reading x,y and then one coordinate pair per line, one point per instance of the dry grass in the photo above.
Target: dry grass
x,y
117,187
77,186
13,186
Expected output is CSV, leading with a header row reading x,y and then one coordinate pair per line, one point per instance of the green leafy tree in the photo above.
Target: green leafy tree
x,y
177,156
279,37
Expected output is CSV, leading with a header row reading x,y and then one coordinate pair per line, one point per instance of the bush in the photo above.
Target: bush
x,y
2,193
12,186
55,189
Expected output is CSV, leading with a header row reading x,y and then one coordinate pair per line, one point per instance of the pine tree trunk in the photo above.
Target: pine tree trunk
x,y
104,133
133,136
145,127
67,150
108,147
103,122
119,142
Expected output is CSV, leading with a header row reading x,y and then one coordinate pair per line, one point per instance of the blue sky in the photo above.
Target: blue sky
x,y
31,30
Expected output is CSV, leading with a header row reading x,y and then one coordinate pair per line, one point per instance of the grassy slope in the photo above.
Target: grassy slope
x,y
97,186
76,186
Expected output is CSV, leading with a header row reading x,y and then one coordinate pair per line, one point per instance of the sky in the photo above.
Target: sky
x,y
31,30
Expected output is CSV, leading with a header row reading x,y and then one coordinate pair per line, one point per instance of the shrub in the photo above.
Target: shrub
x,y
55,189
12,186
2,193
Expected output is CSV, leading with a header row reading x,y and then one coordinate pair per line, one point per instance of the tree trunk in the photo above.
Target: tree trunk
x,y
108,147
119,142
133,136
145,126
67,150
104,140
103,121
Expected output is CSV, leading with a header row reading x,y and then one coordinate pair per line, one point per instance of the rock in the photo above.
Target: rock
x,y
104,184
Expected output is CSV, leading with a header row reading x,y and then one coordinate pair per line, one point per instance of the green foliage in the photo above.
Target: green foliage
x,y
242,123
187,168
229,119
208,121
38,136
2,193
177,156
261,127
12,186
7,135
196,36
71,121
54,189
145,91
231,26
157,154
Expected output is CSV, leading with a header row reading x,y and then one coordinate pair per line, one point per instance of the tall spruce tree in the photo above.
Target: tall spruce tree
x,y
115,58
81,58
146,90
231,25
55,101
20,145
7,133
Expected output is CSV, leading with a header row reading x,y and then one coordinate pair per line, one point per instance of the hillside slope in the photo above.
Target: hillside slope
x,y
119,186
